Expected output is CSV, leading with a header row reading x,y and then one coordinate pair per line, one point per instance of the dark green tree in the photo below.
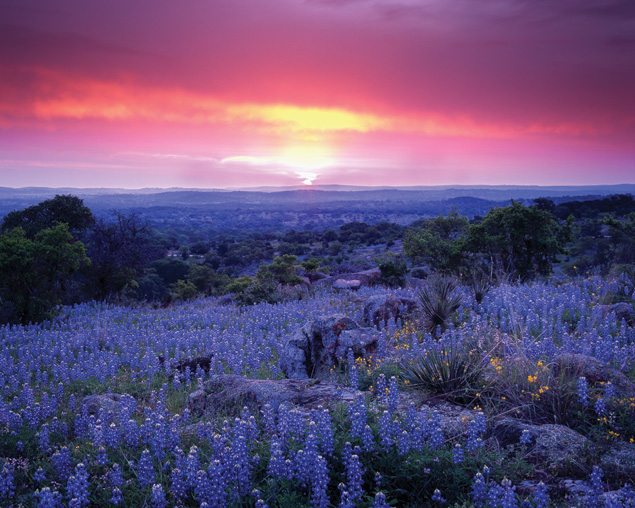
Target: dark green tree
x,y
517,239
36,273
61,209
438,243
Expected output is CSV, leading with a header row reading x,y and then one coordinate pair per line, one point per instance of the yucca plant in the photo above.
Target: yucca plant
x,y
439,300
479,285
451,371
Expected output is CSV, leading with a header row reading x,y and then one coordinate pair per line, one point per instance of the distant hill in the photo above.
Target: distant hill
x,y
316,206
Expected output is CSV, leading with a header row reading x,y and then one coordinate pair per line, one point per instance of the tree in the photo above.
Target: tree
x,y
438,243
120,251
47,214
519,239
36,274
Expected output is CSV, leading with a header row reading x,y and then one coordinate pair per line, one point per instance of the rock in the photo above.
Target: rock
x,y
556,447
107,403
314,349
380,309
595,371
622,311
316,276
196,402
227,394
347,284
204,362
619,461
365,278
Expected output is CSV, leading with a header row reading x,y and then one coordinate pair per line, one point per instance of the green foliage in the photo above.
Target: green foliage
x,y
517,239
439,300
453,372
36,274
438,243
185,290
393,270
65,209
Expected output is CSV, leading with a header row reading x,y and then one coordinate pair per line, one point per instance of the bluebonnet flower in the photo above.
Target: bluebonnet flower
x,y
403,442
458,455
145,470
158,496
217,480
192,466
381,387
583,391
178,485
43,438
508,499
437,497
319,483
324,429
540,496
476,429
77,486
386,431
609,391
596,487
203,487
393,394
354,479
7,487
62,461
102,456
116,497
479,491
380,501
48,498
353,372
525,437
39,475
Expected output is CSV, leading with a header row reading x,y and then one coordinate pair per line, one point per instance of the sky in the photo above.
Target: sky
x,y
243,93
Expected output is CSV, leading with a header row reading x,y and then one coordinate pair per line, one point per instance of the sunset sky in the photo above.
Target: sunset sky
x,y
228,93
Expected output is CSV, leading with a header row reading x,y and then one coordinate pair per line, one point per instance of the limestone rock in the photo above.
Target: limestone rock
x,y
347,284
107,403
227,394
556,447
314,349
382,308
595,371
622,310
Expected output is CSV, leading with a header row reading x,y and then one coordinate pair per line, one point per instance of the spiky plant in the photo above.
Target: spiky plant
x,y
451,371
439,300
479,285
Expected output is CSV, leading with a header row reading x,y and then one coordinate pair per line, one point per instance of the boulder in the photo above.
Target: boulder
x,y
363,278
382,308
316,276
204,362
595,371
622,310
314,349
556,447
227,394
108,403
619,461
347,284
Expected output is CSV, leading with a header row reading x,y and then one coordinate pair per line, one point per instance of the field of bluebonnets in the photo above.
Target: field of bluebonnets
x,y
370,453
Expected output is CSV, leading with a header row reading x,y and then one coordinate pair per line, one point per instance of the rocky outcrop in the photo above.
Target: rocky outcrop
x,y
108,403
595,371
622,310
364,278
619,461
380,309
203,362
227,394
556,447
313,350
347,284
